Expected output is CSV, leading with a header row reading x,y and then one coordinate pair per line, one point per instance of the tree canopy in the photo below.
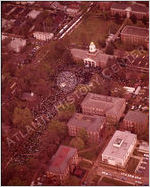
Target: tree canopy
x,y
77,142
83,135
59,127
22,117
66,111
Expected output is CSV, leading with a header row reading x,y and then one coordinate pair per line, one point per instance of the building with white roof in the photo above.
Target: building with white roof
x,y
34,13
17,44
119,148
44,36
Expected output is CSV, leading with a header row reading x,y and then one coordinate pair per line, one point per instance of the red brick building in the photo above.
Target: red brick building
x,y
93,125
135,35
110,107
135,121
62,163
125,10
105,5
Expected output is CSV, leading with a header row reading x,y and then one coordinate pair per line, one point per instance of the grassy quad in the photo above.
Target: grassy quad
x,y
92,29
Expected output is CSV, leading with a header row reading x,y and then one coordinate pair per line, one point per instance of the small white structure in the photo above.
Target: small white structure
x,y
129,89
4,37
128,11
25,2
17,44
7,23
72,12
33,14
119,148
44,36
92,47
137,90
32,94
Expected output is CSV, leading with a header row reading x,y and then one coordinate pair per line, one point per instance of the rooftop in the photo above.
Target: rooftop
x,y
34,13
119,144
139,31
134,7
106,104
17,44
60,160
137,117
90,123
97,57
28,96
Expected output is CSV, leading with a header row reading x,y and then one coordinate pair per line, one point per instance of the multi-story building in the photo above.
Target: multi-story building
x,y
135,35
44,36
62,163
127,10
110,107
135,121
104,5
119,148
92,57
92,124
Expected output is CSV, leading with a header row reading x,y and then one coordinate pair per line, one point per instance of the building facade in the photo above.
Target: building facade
x,y
44,36
135,121
92,57
104,5
110,107
135,35
127,10
62,163
119,149
93,126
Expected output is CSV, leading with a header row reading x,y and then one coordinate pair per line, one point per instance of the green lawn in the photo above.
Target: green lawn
x,y
112,182
132,164
92,29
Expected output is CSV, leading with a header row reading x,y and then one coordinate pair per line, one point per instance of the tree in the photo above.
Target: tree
x,y
109,49
106,15
41,87
17,182
128,21
22,117
102,43
66,111
84,38
72,181
117,18
83,135
59,127
77,143
67,57
133,18
144,20
120,91
51,136
59,49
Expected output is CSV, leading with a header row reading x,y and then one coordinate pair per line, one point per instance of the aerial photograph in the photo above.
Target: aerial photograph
x,y
74,93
